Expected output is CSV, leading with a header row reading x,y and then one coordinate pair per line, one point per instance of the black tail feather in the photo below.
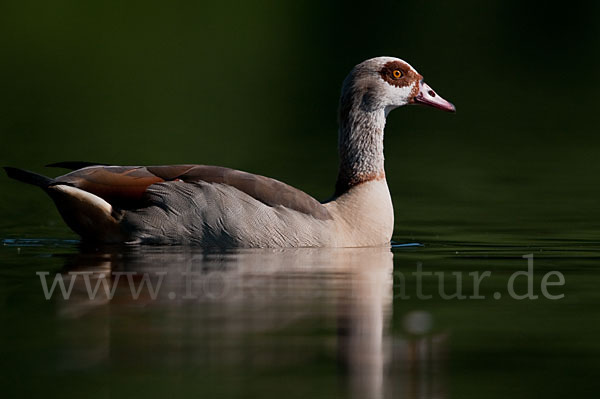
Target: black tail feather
x,y
28,177
74,165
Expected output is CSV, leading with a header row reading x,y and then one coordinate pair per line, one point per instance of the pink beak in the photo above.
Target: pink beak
x,y
429,97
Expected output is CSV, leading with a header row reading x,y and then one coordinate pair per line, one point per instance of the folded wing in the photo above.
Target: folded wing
x,y
125,186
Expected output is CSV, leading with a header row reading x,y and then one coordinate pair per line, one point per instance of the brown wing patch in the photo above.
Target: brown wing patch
x,y
122,186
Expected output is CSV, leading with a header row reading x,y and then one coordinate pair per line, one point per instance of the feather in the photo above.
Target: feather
x,y
28,177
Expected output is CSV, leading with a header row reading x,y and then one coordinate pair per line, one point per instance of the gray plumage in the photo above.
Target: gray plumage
x,y
220,215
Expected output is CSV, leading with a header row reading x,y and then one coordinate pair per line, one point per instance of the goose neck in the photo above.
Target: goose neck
x,y
360,146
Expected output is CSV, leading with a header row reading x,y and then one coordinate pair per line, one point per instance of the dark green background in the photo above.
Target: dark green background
x,y
254,85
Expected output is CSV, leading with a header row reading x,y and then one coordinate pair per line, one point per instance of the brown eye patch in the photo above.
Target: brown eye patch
x,y
398,74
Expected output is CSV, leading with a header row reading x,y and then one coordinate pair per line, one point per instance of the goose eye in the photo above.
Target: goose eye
x,y
397,73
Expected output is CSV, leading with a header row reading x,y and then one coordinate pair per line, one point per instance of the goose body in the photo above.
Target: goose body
x,y
219,207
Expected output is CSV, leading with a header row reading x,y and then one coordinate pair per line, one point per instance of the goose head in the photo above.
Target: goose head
x,y
386,83
370,91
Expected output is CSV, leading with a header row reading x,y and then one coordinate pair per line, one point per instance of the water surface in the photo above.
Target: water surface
x,y
296,323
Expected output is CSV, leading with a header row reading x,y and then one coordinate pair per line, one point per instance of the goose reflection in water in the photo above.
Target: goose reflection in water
x,y
235,315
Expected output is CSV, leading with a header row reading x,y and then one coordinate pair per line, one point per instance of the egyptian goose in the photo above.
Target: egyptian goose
x,y
216,206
